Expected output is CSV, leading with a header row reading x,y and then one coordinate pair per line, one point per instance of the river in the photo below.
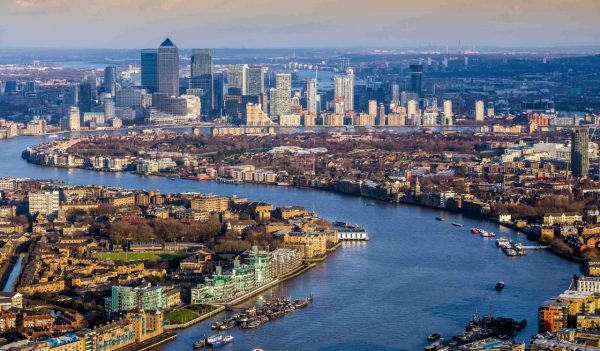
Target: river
x,y
414,277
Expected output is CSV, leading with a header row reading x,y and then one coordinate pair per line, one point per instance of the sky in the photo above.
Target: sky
x,y
298,23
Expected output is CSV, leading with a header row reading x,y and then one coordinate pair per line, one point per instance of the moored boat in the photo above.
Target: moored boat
x,y
439,218
457,224
219,340
433,337
475,230
499,285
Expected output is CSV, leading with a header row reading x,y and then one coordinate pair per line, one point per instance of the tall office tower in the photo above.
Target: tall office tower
x,y
71,95
31,87
273,102
201,77
395,94
46,203
448,114
416,80
381,115
373,108
283,97
218,86
238,75
413,112
255,81
110,80
311,96
10,86
74,119
87,91
344,92
149,62
479,114
580,163
168,68
490,110
109,109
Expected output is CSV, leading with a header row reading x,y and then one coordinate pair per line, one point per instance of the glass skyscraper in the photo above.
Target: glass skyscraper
x,y
149,62
255,81
416,80
580,162
110,80
202,78
168,68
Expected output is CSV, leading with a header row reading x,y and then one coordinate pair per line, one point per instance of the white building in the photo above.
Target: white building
x,y
589,284
479,110
45,203
344,92
282,94
448,114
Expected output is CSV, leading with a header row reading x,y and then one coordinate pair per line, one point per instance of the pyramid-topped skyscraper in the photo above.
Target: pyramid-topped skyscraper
x,y
168,68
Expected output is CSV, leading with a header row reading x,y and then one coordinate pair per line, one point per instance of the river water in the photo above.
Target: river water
x,y
414,277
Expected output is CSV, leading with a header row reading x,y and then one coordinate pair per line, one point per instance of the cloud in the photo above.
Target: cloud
x,y
36,4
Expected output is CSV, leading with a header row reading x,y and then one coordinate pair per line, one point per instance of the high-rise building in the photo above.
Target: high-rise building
x,y
395,94
201,77
45,203
283,96
168,68
74,119
448,114
413,112
110,80
237,77
580,163
87,93
479,111
149,62
109,109
373,108
218,86
311,96
344,92
10,86
255,81
381,115
416,80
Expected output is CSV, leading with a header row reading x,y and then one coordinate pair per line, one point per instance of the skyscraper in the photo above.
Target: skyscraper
x,y
218,98
580,163
448,114
311,96
238,75
283,96
413,113
373,108
202,78
344,92
110,80
416,80
87,93
255,81
74,119
168,68
479,113
381,115
149,63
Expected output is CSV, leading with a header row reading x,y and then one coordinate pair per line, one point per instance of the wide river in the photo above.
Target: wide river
x,y
414,277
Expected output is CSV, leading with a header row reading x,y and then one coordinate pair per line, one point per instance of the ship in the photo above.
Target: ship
x,y
219,340
439,218
350,232
475,230
499,285
433,337
457,224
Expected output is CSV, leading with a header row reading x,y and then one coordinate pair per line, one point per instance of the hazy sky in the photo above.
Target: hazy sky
x,y
298,23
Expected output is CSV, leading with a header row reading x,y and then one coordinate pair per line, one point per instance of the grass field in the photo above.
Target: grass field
x,y
136,256
180,316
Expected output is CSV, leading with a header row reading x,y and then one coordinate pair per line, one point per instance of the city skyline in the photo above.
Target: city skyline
x,y
272,24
